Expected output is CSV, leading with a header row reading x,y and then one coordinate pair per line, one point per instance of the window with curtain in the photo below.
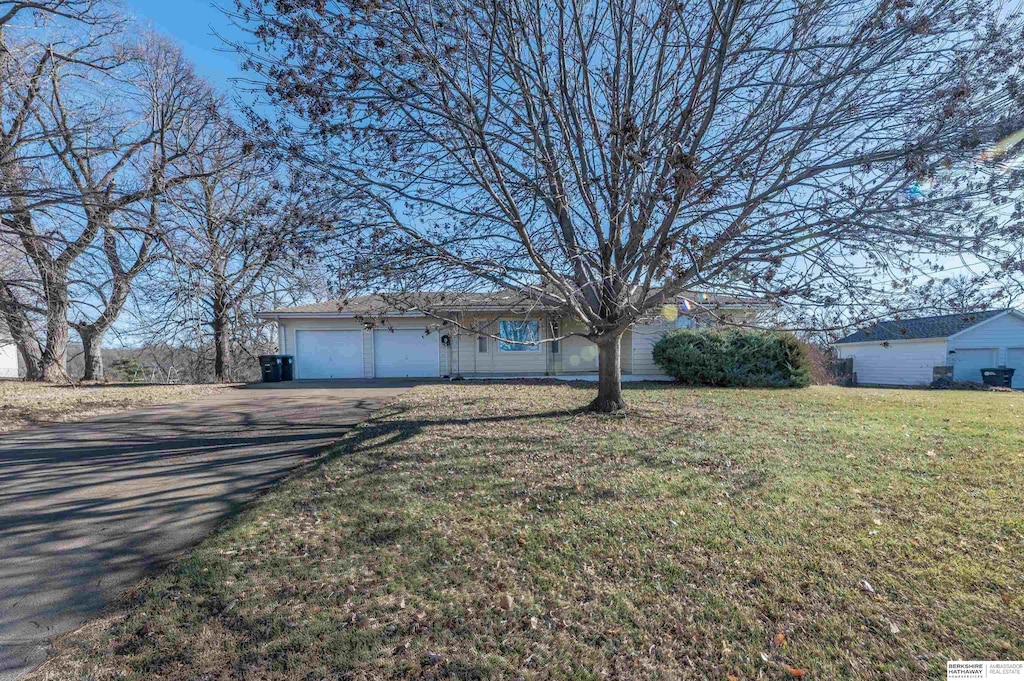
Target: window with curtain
x,y
515,334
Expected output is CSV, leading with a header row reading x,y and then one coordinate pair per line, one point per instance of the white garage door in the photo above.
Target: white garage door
x,y
1015,360
968,363
328,354
405,353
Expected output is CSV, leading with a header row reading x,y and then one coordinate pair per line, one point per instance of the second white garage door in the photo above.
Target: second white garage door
x,y
1015,360
328,354
405,353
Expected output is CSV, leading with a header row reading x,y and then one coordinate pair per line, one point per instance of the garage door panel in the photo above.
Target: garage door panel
x,y
405,353
968,363
1015,360
322,353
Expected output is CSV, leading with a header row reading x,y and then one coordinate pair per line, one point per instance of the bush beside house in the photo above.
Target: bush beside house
x,y
734,358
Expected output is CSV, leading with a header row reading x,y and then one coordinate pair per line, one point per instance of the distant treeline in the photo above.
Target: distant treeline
x,y
162,363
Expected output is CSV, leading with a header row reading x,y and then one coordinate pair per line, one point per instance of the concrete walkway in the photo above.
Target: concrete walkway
x,y
87,508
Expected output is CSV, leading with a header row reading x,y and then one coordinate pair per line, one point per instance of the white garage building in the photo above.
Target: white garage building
x,y
8,355
905,352
469,335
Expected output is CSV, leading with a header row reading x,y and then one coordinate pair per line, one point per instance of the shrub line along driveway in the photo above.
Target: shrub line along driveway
x,y
87,508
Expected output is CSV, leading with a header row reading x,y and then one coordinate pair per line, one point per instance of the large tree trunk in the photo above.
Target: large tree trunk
x,y
609,371
54,362
30,357
92,347
221,335
94,332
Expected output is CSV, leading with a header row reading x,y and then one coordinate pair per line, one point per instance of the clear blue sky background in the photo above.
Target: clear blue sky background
x,y
191,23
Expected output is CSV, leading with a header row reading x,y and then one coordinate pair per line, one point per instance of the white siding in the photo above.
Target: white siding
x,y
579,355
462,356
643,338
1000,333
8,359
895,363
467,360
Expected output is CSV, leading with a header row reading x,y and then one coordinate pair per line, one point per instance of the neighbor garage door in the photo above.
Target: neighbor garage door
x,y
968,363
328,354
1015,360
405,353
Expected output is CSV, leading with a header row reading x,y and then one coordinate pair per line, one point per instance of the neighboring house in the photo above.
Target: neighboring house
x,y
8,355
906,351
364,337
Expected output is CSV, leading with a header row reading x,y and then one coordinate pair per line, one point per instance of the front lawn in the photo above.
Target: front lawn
x,y
488,531
24,404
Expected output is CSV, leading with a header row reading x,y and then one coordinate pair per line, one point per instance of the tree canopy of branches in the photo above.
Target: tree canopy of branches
x,y
606,155
73,31
97,126
243,238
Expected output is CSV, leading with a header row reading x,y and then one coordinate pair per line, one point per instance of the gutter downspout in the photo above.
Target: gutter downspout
x,y
282,339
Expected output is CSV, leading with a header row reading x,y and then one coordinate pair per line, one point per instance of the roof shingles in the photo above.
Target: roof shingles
x,y
413,302
940,326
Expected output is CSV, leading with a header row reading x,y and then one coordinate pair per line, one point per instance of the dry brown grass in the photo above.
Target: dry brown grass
x,y
493,532
24,404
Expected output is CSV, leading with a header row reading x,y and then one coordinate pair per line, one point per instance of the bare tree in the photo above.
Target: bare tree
x,y
240,240
98,131
605,155
151,154
70,38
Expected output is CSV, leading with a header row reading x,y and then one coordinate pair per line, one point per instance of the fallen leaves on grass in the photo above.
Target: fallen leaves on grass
x,y
527,541
25,404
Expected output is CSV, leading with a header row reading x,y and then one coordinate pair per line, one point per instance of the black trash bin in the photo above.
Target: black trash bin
x,y
287,367
1000,377
270,368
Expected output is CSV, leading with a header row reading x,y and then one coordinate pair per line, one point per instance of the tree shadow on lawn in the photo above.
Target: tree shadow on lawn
x,y
430,498
481,455
382,434
578,383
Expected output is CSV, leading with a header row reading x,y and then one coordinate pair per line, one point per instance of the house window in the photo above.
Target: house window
x,y
481,344
556,345
519,336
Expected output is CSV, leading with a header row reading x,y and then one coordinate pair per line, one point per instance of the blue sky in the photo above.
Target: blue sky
x,y
191,23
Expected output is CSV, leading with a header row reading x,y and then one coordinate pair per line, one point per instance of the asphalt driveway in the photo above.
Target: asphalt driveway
x,y
87,508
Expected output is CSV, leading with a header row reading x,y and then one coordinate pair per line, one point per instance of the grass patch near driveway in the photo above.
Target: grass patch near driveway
x,y
477,531
24,404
